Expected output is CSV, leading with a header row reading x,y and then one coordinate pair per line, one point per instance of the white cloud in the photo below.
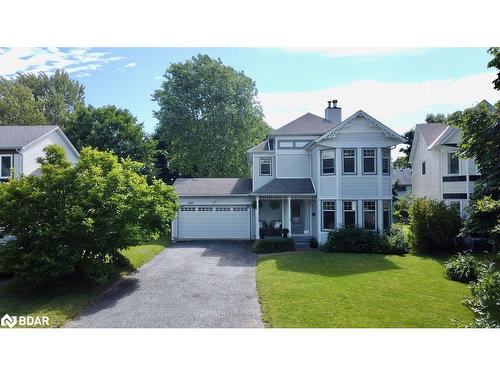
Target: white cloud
x,y
130,65
358,52
35,60
397,105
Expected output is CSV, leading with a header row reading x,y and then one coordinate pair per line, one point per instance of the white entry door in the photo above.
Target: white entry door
x,y
214,222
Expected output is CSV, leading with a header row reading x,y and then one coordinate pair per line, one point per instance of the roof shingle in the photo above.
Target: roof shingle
x,y
307,124
12,137
431,131
212,186
287,186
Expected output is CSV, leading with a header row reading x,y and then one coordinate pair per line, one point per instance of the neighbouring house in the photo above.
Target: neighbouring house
x,y
310,176
401,181
20,146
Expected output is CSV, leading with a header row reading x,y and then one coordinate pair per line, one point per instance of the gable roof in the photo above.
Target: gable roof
x,y
431,131
307,124
287,186
403,176
263,146
212,186
19,136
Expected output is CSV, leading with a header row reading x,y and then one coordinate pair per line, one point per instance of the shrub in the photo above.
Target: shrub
x,y
401,208
396,241
433,226
273,246
285,232
354,240
485,298
462,267
74,220
313,243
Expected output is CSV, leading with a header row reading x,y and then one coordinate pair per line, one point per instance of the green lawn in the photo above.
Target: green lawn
x,y
64,302
359,290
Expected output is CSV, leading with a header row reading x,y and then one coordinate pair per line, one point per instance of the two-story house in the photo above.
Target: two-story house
x,y
310,176
21,146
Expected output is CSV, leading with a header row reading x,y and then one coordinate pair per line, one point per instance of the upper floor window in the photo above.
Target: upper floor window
x,y
328,221
265,166
369,161
327,161
349,161
287,144
369,215
349,214
386,161
423,168
453,167
5,166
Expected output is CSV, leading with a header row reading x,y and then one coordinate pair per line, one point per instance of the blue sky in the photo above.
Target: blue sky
x,y
398,86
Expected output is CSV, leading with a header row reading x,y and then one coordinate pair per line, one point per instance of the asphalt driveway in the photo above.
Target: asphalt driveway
x,y
190,284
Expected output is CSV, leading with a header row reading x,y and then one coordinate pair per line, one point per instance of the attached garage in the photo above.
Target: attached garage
x,y
214,222
213,208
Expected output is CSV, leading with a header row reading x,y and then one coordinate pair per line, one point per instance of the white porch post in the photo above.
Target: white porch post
x,y
289,217
257,229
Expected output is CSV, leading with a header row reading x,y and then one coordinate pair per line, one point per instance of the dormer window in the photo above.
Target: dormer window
x,y
328,162
265,167
5,166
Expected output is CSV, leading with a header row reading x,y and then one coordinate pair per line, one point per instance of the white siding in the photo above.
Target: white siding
x,y
258,180
328,186
359,187
427,185
293,165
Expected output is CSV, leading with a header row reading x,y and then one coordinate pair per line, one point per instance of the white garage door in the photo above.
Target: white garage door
x,y
216,222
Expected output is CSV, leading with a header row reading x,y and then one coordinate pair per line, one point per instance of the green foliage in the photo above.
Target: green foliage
x,y
433,226
34,99
355,240
401,208
210,107
409,141
483,220
485,300
495,63
112,129
462,267
401,162
74,220
433,118
273,246
396,241
313,243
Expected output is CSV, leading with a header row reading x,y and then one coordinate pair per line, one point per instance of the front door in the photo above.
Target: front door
x,y
299,217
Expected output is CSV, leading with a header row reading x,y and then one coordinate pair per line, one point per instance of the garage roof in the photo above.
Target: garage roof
x,y
287,186
208,187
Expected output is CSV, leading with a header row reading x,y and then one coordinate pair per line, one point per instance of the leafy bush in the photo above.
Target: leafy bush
x,y
396,241
273,245
401,208
433,226
355,240
462,267
486,298
74,220
313,243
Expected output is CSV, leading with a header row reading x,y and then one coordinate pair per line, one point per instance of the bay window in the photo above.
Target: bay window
x,y
387,214
349,161
328,162
328,215
349,214
369,215
369,157
386,161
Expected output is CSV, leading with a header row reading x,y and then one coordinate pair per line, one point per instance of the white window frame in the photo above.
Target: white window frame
x,y
322,158
349,157
270,166
328,210
450,155
374,157
354,209
386,155
374,214
10,157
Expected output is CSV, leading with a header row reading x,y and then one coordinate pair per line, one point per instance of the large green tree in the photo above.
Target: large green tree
x,y
33,99
112,129
208,118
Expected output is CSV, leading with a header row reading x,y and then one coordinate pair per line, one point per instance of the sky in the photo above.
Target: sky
x,y
397,86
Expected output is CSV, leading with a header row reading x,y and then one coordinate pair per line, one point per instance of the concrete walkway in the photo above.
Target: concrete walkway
x,y
191,284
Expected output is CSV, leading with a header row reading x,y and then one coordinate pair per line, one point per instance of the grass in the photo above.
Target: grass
x,y
64,302
359,290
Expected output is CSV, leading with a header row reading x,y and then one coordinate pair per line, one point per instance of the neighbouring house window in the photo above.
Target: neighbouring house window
x,y
369,214
5,166
349,161
452,163
369,161
328,215
386,161
349,214
328,161
265,166
387,214
423,168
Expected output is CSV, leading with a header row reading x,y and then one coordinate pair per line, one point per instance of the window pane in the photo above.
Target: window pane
x,y
385,165
348,165
328,219
369,165
349,219
285,144
368,153
328,154
452,163
328,205
5,167
423,167
387,219
328,166
348,153
369,220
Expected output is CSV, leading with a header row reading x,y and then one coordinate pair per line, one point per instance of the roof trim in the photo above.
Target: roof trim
x,y
447,133
372,121
61,133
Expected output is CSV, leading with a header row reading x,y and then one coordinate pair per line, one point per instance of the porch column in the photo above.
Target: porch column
x,y
257,229
289,217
